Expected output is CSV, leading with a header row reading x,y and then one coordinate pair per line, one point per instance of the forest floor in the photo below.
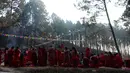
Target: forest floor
x,y
61,70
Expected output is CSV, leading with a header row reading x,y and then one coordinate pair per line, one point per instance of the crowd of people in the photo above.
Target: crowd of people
x,y
61,56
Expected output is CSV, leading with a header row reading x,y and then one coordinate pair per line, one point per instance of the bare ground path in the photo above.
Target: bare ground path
x,y
60,70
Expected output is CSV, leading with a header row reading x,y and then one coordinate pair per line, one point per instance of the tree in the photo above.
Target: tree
x,y
58,25
10,11
34,19
100,5
35,15
69,24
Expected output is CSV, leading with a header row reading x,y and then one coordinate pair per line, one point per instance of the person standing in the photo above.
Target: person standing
x,y
16,57
75,58
52,56
10,56
6,61
42,56
34,57
66,57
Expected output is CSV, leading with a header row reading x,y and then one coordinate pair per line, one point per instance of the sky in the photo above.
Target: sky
x,y
66,10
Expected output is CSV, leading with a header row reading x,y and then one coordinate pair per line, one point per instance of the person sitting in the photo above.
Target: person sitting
x,y
118,61
102,59
94,62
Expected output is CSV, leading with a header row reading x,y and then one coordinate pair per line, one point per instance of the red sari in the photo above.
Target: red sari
x,y
6,58
86,62
0,56
52,57
29,57
34,58
10,56
67,59
42,57
16,58
44,54
118,61
102,59
75,59
59,57
94,63
88,53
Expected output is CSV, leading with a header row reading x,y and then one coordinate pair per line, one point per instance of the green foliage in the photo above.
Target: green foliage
x,y
35,16
10,12
92,7
126,17
59,25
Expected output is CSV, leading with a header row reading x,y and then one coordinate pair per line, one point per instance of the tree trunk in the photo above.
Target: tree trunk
x,y
80,40
97,46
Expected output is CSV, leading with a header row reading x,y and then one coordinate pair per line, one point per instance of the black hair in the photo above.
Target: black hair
x,y
66,48
110,53
59,46
73,48
6,48
51,46
16,49
12,47
43,46
115,54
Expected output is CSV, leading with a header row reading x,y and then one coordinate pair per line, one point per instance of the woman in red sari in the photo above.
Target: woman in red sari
x,y
28,57
102,59
60,56
118,61
42,57
44,54
16,57
34,57
0,56
52,56
6,63
66,57
10,56
94,61
75,58
88,53
39,56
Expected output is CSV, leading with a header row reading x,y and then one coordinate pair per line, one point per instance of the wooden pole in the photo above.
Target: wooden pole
x,y
111,28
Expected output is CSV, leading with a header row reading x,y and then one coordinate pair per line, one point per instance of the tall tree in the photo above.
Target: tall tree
x,y
58,25
10,11
88,5
34,19
35,15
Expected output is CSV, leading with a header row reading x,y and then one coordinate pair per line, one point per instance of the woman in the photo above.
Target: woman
x,y
6,63
75,58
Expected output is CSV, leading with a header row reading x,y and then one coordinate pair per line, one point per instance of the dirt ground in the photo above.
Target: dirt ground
x,y
60,70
